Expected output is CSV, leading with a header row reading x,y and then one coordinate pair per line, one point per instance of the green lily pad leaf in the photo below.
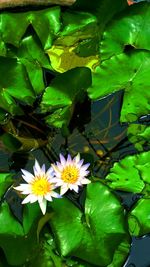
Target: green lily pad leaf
x,y
132,76
13,80
92,236
131,173
64,92
77,26
5,182
129,28
139,218
14,237
46,24
121,254
139,135
34,59
103,9
59,117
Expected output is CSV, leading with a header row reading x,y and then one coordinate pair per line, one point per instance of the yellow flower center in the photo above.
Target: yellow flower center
x,y
40,186
70,174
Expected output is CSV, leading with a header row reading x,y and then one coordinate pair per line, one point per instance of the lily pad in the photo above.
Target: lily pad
x,y
131,173
63,93
131,27
46,23
13,79
139,135
14,237
94,235
129,72
139,218
5,182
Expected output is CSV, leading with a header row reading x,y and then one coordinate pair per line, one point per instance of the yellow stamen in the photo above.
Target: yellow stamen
x,y
70,174
40,186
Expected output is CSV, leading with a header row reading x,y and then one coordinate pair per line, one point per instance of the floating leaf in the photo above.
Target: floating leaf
x,y
46,24
139,218
77,26
129,28
64,92
5,182
129,72
13,80
14,237
102,9
131,173
121,254
34,59
92,236
139,135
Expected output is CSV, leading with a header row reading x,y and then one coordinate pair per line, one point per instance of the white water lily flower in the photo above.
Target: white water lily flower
x,y
39,187
70,173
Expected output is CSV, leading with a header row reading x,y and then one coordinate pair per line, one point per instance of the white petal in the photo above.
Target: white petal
x,y
69,159
33,198
36,168
84,173
60,167
64,189
56,195
56,169
77,158
48,197
62,160
27,199
50,171
43,205
79,164
85,181
43,168
40,198
27,176
85,166
75,188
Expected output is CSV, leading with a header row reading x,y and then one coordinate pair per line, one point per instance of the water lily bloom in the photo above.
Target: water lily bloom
x,y
39,187
70,173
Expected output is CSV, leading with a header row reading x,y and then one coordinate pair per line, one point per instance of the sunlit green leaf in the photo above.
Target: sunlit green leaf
x,y
139,218
131,173
63,93
16,238
46,24
129,72
77,26
103,9
5,182
129,28
14,84
121,254
33,58
139,135
92,236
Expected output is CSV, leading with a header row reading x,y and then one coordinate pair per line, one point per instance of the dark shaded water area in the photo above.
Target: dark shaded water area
x,y
95,132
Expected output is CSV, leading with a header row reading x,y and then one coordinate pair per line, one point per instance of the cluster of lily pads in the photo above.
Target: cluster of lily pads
x,y
55,62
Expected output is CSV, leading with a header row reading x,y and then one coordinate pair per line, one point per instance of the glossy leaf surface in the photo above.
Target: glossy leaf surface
x,y
92,236
131,173
129,72
129,28
139,218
